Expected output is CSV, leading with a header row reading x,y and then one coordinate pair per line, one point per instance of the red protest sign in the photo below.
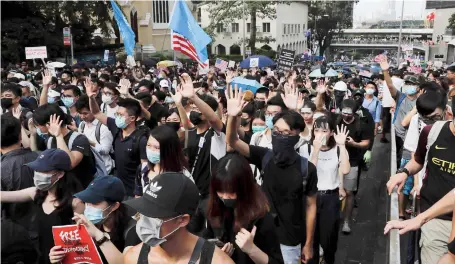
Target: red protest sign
x,y
77,244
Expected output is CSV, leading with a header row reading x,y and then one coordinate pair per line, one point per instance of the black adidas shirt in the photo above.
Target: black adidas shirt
x,y
286,186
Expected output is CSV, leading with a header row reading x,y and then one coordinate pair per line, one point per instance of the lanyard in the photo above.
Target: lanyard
x,y
201,144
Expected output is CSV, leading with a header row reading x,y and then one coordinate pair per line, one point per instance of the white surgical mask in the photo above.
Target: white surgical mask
x,y
148,230
369,91
107,99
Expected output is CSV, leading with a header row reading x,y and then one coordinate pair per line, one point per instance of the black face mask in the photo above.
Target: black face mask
x,y
229,203
259,104
339,97
195,118
348,118
174,125
244,122
283,149
6,103
359,101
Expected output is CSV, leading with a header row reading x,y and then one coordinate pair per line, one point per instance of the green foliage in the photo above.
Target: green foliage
x,y
329,18
41,23
451,22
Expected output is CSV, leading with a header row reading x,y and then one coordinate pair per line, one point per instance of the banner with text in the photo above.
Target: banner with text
x,y
286,59
35,53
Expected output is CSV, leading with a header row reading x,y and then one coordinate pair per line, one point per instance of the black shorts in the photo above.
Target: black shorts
x,y
451,247
386,119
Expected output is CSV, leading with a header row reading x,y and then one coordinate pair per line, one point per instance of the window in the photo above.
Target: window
x,y
199,15
298,31
219,28
303,27
284,29
161,11
235,27
248,27
265,27
289,29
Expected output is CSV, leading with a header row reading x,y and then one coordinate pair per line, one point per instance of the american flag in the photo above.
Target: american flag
x,y
221,64
180,43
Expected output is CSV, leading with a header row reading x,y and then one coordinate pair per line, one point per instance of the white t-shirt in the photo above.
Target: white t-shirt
x,y
327,167
412,136
110,111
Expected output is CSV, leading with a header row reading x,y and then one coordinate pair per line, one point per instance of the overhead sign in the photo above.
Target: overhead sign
x,y
35,52
247,51
106,55
254,62
66,36
286,59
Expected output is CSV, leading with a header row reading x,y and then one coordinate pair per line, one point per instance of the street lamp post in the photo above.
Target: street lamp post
x,y
244,29
399,35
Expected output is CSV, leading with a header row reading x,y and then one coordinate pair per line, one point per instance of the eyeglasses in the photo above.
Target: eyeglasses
x,y
283,134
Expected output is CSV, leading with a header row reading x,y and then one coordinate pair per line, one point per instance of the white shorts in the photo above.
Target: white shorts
x,y
350,179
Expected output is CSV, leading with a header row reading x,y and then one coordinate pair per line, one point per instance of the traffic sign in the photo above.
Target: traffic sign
x,y
66,36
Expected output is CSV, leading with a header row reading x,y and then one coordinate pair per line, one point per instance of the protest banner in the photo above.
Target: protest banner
x,y
77,244
35,52
286,59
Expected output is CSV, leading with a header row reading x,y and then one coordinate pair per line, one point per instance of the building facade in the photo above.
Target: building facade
x,y
287,29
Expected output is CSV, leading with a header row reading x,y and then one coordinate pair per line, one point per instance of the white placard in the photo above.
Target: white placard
x,y
231,64
35,52
254,62
106,55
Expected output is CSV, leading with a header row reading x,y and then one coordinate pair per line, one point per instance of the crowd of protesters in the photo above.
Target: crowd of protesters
x,y
168,165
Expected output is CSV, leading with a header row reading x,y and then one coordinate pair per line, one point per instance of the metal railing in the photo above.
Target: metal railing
x,y
394,237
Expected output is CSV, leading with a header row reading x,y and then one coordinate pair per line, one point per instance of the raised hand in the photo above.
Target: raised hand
x,y
308,84
229,77
187,87
341,135
177,96
290,96
88,84
47,77
124,86
235,103
244,240
54,128
384,64
321,88
74,81
31,126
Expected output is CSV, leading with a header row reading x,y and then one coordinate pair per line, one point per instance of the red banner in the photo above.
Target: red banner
x,y
77,244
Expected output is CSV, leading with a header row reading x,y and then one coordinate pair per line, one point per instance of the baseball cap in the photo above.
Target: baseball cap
x,y
164,83
340,86
19,75
168,194
411,79
51,159
359,91
103,188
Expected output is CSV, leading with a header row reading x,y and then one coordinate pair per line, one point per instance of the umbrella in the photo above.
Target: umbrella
x,y
339,63
56,64
316,74
149,62
263,61
331,73
246,84
166,63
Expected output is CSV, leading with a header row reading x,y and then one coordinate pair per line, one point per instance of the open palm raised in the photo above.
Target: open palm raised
x,y
235,103
186,87
341,135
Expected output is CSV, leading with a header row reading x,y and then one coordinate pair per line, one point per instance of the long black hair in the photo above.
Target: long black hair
x,y
324,122
171,153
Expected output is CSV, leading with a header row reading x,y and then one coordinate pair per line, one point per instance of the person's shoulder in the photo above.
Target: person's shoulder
x,y
220,257
131,254
311,169
81,139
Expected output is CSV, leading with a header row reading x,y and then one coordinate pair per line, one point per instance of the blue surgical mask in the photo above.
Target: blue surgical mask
x,y
410,89
68,101
41,134
51,100
95,215
153,156
120,122
258,128
269,121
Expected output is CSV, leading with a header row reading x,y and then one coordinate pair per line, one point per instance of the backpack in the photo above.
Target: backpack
x,y
432,137
97,130
400,100
99,163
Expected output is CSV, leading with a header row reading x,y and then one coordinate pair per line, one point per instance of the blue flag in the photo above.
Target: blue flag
x,y
183,23
129,38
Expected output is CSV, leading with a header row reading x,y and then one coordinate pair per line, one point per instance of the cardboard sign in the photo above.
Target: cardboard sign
x,y
77,244
106,55
231,64
254,62
286,59
35,52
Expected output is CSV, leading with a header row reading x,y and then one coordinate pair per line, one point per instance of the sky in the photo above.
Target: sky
x,y
378,9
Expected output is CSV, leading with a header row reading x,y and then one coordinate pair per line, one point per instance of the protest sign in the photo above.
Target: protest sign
x,y
254,62
106,55
285,59
35,52
231,64
76,243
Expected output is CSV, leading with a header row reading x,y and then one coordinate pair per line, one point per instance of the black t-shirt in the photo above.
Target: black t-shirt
x,y
86,169
283,187
126,161
440,172
213,149
358,131
146,123
157,111
247,137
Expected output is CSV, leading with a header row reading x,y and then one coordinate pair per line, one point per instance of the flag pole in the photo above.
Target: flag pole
x,y
399,36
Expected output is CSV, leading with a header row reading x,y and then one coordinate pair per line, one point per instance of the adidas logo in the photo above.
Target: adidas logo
x,y
152,189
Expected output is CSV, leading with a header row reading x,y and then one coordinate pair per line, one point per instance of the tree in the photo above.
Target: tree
x,y
326,19
41,23
223,12
451,22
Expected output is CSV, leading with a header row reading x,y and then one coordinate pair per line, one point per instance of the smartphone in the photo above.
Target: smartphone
x,y
217,242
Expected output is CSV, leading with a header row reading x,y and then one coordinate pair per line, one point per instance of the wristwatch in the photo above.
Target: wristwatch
x,y
400,170
105,238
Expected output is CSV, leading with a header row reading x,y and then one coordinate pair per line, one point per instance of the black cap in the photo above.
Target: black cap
x,y
359,91
103,188
51,159
168,195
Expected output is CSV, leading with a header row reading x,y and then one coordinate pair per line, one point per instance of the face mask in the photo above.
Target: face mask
x,y
120,122
369,91
51,100
6,103
359,101
153,156
269,121
95,215
244,122
229,203
68,101
174,125
410,89
195,118
258,128
107,99
259,104
348,118
43,181
284,143
148,230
